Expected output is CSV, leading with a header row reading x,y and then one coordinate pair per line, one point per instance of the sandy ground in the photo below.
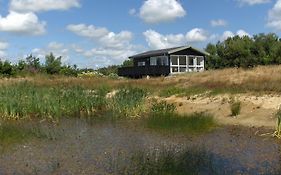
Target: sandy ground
x,y
256,111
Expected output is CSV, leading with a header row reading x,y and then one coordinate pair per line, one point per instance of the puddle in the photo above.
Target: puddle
x,y
77,147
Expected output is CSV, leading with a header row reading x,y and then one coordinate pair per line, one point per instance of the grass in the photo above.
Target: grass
x,y
128,102
12,132
26,100
188,91
171,162
235,107
189,123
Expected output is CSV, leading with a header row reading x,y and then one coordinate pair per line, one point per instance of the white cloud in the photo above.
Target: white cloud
x,y
132,11
156,40
109,47
242,33
22,23
102,35
58,49
196,35
42,5
3,47
157,11
274,16
87,31
229,34
252,2
218,22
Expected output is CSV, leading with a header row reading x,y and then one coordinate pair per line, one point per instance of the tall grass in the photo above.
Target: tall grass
x,y
172,162
164,118
11,133
26,100
128,102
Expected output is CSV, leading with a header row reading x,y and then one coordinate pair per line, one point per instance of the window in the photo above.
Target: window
x,y
141,63
182,60
175,69
174,60
200,61
191,61
183,69
159,60
153,61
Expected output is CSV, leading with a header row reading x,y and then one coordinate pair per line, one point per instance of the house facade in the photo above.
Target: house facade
x,y
165,62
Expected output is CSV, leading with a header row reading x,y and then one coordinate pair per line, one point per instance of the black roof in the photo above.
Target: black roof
x,y
165,52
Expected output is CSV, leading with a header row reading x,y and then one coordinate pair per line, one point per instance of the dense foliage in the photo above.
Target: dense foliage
x,y
246,52
32,65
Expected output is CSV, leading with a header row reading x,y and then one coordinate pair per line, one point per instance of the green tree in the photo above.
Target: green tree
x,y
52,64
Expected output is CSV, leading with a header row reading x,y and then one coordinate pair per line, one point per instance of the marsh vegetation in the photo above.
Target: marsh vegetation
x,y
136,117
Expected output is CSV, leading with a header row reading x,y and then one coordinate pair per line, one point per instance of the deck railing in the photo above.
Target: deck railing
x,y
140,71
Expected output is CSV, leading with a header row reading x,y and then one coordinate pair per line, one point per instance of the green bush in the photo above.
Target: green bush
x,y
235,108
162,107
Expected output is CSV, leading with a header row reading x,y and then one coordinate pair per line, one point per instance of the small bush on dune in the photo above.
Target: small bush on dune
x,y
235,107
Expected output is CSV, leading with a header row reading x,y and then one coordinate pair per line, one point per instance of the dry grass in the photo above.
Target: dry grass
x,y
260,79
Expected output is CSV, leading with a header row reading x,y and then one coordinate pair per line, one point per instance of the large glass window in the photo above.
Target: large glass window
x,y
141,63
200,61
174,60
182,60
153,61
159,60
191,60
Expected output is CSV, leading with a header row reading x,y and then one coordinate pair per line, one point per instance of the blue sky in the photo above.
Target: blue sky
x,y
97,33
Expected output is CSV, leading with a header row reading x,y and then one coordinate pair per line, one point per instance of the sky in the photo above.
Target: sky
x,y
98,33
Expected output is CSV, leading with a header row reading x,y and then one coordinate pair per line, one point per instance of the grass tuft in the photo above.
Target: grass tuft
x,y
235,107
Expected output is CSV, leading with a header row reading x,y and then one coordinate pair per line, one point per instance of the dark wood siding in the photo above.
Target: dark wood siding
x,y
140,71
188,52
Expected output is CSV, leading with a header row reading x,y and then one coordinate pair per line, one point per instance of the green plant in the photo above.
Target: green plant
x,y
26,100
128,101
277,132
235,107
162,107
173,122
171,162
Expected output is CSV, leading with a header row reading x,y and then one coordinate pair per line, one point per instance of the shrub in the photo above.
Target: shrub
x,y
162,107
235,108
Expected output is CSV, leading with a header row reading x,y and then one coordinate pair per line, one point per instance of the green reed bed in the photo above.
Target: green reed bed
x,y
26,100
128,102
172,162
164,118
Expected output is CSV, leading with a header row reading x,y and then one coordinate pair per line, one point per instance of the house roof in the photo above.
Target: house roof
x,y
167,51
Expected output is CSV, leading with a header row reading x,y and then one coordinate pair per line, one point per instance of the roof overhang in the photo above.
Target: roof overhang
x,y
188,47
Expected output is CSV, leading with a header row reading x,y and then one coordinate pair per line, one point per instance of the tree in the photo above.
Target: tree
x,y
33,64
52,64
127,63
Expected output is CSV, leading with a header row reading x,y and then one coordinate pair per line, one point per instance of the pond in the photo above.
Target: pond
x,y
77,146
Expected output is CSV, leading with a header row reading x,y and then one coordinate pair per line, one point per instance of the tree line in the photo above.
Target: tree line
x,y
32,65
245,52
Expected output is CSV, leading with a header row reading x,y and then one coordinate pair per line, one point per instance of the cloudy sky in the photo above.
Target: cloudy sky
x,y
96,33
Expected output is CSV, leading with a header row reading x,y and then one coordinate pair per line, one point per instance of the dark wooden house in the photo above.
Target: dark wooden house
x,y
165,62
